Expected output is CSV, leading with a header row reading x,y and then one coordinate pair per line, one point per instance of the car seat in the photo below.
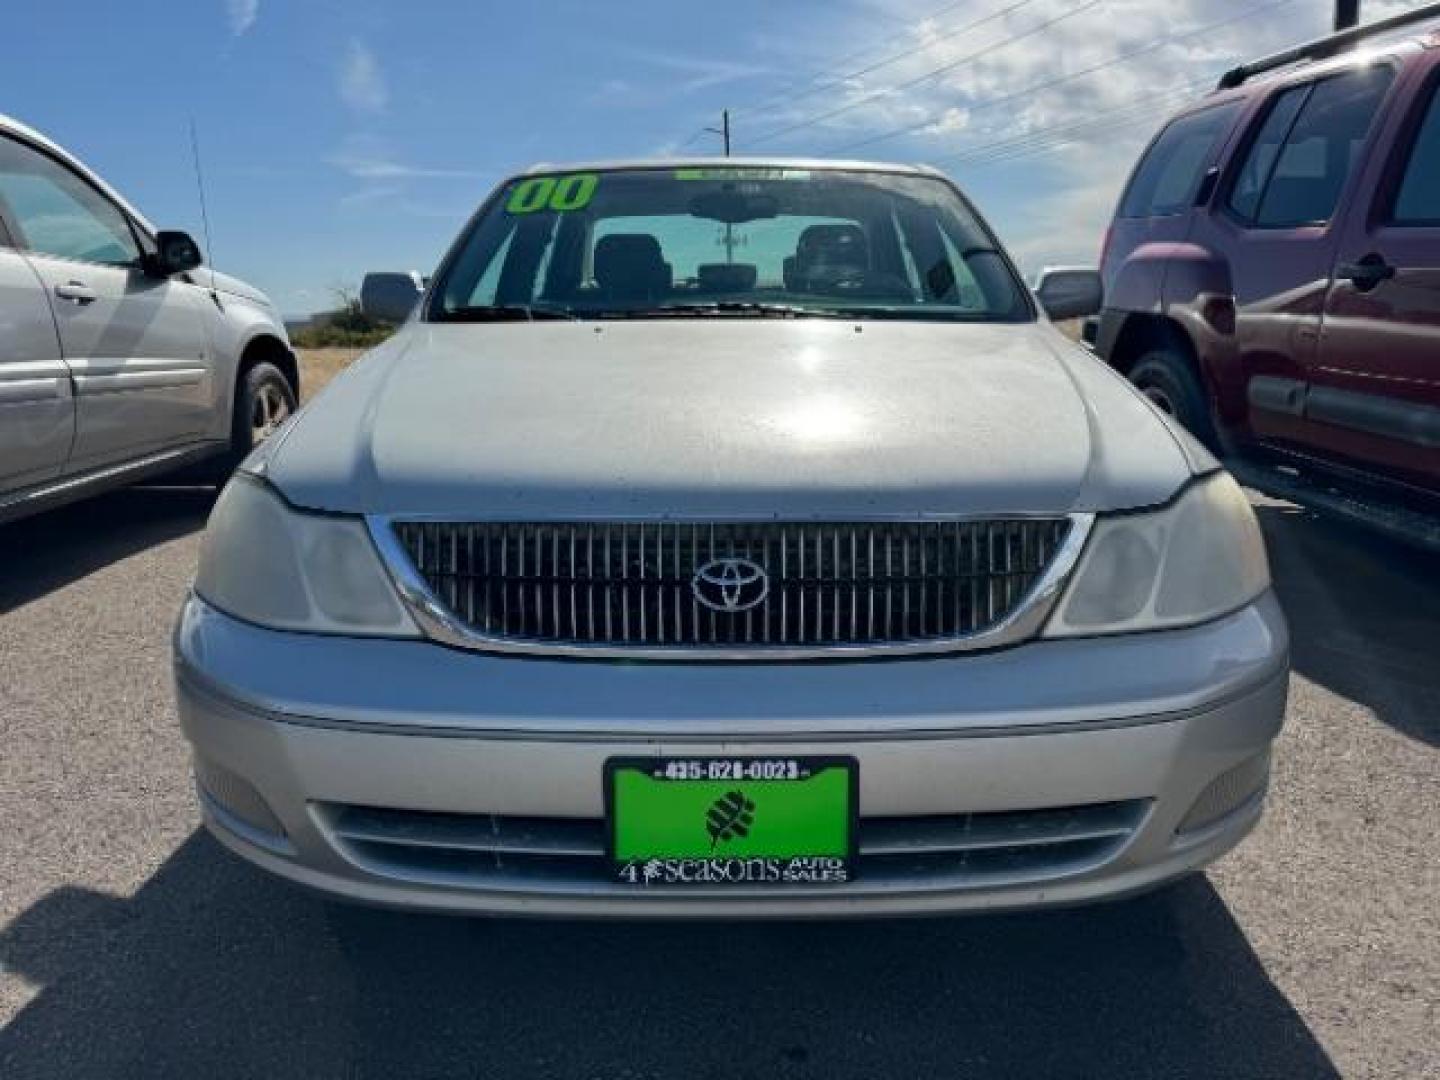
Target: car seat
x,y
629,266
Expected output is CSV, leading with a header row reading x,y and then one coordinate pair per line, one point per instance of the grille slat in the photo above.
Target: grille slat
x,y
616,584
529,854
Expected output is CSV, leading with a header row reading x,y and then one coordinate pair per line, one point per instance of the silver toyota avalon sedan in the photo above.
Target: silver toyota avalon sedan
x,y
731,538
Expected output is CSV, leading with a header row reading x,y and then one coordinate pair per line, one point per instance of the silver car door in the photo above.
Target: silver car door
x,y
37,409
135,344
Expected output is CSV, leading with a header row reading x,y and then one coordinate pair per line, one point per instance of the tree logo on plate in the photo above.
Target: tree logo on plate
x,y
729,817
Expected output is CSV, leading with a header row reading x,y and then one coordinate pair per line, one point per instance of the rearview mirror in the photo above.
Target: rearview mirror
x,y
734,207
389,296
175,253
1070,292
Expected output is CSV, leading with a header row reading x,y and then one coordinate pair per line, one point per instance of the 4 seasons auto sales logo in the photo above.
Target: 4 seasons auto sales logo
x,y
798,870
731,817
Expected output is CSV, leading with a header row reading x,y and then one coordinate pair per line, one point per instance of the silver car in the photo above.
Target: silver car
x,y
120,358
731,538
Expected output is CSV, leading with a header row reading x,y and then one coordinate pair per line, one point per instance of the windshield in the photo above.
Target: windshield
x,y
731,242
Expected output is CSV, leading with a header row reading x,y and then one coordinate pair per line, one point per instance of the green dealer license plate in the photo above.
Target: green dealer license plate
x,y
743,821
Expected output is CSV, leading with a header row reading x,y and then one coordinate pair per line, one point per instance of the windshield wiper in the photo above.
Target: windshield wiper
x,y
914,313
505,313
735,307
793,311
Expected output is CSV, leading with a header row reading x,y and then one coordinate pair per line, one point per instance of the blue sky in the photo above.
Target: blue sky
x,y
340,136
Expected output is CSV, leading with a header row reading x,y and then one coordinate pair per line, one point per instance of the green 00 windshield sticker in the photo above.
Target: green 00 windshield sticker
x,y
558,193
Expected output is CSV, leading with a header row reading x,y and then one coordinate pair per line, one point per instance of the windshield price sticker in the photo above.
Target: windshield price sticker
x,y
560,194
719,821
741,173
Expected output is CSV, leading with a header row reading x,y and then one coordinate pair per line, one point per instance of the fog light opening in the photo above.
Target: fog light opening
x,y
238,799
1227,793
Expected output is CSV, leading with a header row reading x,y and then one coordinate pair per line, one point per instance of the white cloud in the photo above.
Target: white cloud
x,y
362,84
384,168
380,168
948,121
371,160
1084,128
241,15
366,196
692,73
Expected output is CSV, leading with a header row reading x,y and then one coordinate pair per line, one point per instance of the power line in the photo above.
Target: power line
x,y
1043,139
1059,135
934,73
1052,83
903,35
699,132
769,104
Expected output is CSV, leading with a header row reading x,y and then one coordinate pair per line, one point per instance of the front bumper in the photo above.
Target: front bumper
x,y
297,735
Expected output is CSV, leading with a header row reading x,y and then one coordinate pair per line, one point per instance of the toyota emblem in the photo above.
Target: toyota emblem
x,y
730,585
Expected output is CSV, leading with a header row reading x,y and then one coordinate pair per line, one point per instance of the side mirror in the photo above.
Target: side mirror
x,y
390,297
175,253
1070,292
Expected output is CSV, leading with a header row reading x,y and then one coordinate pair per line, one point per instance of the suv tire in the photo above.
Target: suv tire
x,y
1167,379
263,400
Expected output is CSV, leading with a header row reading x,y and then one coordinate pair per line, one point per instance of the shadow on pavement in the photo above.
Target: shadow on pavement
x,y
215,970
1363,613
50,550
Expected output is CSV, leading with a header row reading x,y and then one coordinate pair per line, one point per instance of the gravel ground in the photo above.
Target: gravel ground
x,y
319,366
131,945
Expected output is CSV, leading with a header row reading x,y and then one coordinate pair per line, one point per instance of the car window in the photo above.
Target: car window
x,y
1297,179
742,241
57,213
1260,158
1168,178
1418,202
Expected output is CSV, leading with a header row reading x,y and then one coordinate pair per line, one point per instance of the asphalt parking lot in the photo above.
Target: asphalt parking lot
x,y
132,945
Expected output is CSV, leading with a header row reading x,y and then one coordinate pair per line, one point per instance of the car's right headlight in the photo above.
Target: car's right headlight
x,y
269,564
1194,560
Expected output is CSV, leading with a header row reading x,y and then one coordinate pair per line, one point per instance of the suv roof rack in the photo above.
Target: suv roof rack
x,y
1326,47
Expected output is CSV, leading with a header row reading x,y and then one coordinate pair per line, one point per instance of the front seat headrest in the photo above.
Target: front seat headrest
x,y
830,247
630,266
726,277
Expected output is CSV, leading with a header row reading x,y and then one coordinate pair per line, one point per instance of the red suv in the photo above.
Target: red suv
x,y
1272,275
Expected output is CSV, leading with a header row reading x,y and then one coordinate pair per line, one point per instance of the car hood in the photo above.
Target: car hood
x,y
727,417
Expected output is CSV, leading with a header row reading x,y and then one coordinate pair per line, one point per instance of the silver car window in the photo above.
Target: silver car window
x,y
58,213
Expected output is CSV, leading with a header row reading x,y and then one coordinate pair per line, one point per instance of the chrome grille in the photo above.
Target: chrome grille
x,y
550,855
629,585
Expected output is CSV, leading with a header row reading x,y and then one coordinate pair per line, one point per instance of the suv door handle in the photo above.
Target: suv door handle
x,y
76,291
1367,273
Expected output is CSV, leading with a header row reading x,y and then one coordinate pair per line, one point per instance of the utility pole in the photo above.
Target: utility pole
x,y
1347,14
723,130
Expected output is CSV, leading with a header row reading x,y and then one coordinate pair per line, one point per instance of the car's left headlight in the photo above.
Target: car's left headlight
x,y
267,563
1194,560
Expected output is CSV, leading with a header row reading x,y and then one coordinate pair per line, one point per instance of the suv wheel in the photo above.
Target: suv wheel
x,y
263,401
1167,379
